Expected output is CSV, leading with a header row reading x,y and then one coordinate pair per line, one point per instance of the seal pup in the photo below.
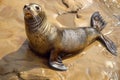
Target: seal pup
x,y
48,39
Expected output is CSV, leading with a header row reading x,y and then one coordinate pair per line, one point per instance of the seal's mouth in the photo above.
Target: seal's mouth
x,y
28,14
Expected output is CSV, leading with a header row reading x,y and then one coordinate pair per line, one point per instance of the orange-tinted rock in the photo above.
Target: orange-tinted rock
x,y
18,62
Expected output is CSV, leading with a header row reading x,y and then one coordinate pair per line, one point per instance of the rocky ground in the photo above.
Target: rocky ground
x,y
18,62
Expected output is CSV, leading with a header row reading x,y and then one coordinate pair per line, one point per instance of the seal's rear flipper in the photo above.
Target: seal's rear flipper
x,y
111,47
97,21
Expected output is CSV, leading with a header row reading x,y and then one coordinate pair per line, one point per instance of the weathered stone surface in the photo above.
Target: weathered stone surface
x,y
18,62
10,76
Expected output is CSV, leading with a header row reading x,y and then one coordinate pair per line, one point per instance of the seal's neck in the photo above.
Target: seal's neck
x,y
35,22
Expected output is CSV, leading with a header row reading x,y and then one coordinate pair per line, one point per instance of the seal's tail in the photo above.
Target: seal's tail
x,y
98,23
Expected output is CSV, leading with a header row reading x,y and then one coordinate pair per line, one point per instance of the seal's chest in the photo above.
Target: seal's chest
x,y
39,43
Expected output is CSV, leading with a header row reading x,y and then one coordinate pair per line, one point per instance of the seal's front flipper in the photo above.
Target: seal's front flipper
x,y
111,47
55,61
58,66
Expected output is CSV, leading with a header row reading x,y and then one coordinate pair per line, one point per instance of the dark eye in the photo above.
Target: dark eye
x,y
25,6
37,7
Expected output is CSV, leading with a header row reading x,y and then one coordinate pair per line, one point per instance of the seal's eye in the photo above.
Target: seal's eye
x,y
25,6
37,7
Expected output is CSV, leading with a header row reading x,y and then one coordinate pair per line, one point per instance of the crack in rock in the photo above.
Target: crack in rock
x,y
13,72
73,6
63,1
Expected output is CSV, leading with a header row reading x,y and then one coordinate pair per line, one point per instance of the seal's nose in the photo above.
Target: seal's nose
x,y
27,7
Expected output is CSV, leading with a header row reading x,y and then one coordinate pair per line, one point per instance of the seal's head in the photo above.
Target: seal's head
x,y
31,10
34,16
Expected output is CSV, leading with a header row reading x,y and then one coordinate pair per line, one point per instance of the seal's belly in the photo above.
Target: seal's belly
x,y
73,40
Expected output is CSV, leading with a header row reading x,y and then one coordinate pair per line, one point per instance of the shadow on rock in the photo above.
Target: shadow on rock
x,y
22,61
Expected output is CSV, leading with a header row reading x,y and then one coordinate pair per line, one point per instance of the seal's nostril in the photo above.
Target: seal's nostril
x,y
28,8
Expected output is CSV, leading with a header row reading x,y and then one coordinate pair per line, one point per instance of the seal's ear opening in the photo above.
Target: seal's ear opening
x,y
111,47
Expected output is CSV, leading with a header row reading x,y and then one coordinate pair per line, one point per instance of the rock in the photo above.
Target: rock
x,y
18,62
10,76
